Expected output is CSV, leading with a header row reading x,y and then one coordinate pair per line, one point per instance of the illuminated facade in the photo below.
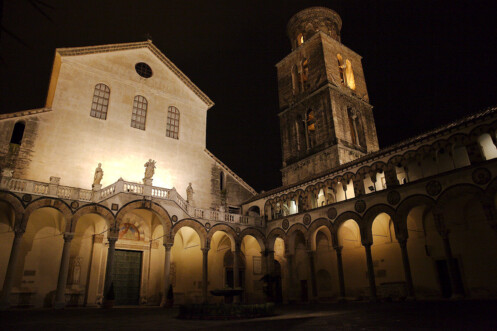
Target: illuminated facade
x,y
110,186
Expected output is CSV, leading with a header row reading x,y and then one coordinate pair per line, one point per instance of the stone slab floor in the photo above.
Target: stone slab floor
x,y
448,315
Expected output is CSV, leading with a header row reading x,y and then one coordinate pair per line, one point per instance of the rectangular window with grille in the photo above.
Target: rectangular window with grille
x,y
172,125
139,115
100,102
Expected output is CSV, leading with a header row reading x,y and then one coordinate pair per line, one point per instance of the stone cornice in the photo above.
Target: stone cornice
x,y
24,113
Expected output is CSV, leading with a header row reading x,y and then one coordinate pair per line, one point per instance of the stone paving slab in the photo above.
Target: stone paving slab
x,y
434,315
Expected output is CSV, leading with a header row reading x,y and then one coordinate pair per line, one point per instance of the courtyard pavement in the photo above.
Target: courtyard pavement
x,y
448,315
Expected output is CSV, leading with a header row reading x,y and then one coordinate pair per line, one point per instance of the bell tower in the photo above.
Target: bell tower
x,y
325,116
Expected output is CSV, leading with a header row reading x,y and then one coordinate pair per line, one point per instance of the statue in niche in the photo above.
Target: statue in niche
x,y
99,173
149,169
189,194
75,274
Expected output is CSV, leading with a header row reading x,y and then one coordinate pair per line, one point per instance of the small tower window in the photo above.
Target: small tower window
x,y
341,68
172,127
139,115
349,74
311,128
300,39
17,133
304,74
100,102
295,80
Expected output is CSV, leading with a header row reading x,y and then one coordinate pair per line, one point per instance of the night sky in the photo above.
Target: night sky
x,y
426,62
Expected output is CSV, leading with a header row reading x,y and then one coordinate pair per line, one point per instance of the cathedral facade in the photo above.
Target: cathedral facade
x,y
109,188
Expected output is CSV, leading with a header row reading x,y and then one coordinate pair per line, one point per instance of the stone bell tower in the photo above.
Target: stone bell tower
x,y
325,116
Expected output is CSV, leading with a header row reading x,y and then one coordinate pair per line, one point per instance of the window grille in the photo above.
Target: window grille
x,y
172,127
139,116
100,102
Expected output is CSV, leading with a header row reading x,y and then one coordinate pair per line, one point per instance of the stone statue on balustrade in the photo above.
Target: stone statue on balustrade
x,y
149,172
97,178
189,195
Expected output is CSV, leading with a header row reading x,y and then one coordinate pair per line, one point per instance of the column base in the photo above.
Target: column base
x,y
342,300
59,305
457,297
411,298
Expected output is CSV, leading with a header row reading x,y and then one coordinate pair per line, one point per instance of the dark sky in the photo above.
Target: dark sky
x,y
426,62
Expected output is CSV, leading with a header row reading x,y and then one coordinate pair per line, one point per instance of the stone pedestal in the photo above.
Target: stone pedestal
x,y
147,188
53,185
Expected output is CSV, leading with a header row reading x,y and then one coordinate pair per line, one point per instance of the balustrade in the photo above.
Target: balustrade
x,y
71,193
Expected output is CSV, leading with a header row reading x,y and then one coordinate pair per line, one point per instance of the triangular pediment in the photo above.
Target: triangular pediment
x,y
119,61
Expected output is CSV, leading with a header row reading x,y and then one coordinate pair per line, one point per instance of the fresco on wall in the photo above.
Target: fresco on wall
x,y
128,231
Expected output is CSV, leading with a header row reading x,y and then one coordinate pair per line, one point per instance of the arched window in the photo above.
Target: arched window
x,y
17,133
311,128
100,102
341,68
172,127
349,74
300,39
295,80
352,125
304,75
139,116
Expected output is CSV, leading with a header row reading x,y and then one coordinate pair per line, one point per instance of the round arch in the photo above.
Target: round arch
x,y
258,235
93,208
292,232
371,215
16,205
228,230
195,225
49,203
314,228
148,205
273,235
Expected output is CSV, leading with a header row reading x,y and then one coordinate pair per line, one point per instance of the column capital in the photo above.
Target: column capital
x,y
112,240
18,232
205,250
168,246
68,236
338,248
367,244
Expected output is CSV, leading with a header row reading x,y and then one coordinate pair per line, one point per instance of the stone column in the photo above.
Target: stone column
x,y
167,271
11,268
109,266
205,278
369,261
270,262
457,291
312,276
341,279
407,268
60,300
289,280
236,272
